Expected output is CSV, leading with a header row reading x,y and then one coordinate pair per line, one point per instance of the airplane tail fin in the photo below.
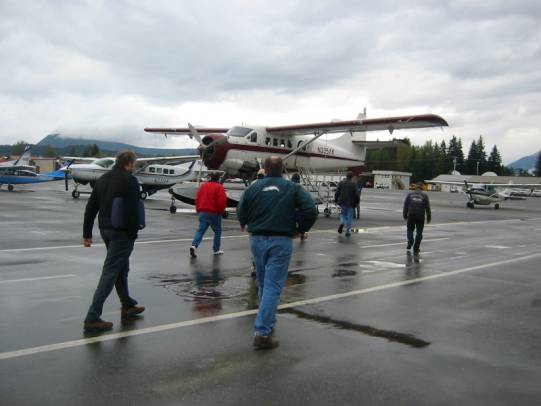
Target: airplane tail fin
x,y
24,159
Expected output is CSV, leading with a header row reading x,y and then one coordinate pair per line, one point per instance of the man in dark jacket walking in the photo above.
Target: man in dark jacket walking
x,y
415,207
347,197
116,198
210,203
275,210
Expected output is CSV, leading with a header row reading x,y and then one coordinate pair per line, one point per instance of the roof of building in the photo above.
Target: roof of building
x,y
391,173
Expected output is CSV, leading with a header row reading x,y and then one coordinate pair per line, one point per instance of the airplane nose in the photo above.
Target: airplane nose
x,y
212,150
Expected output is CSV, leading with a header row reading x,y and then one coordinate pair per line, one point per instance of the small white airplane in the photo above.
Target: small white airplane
x,y
240,151
485,194
153,174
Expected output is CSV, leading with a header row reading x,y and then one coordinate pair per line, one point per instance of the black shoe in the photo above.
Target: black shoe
x,y
408,247
192,252
265,342
340,228
97,326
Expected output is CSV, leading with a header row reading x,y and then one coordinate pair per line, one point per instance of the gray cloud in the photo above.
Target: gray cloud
x,y
113,68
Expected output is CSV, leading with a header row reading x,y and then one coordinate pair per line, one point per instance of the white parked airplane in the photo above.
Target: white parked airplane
x,y
240,151
485,194
153,174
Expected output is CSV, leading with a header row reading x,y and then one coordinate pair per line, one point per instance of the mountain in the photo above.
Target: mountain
x,y
526,163
63,145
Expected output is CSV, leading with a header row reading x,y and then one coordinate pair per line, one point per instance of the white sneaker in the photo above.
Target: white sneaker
x,y
192,251
220,252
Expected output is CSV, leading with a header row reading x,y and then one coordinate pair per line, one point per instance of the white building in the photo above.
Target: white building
x,y
391,180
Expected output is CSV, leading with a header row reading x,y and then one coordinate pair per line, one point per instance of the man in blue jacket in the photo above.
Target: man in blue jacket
x,y
275,211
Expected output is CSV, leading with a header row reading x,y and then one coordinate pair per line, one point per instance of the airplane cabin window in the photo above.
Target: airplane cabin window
x,y
171,171
267,141
275,142
239,132
289,144
159,170
166,171
104,162
152,169
253,137
282,143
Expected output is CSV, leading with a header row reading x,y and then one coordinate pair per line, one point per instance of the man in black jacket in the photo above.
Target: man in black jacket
x,y
347,197
415,207
118,228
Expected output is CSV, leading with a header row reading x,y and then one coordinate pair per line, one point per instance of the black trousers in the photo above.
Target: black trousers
x,y
417,224
114,274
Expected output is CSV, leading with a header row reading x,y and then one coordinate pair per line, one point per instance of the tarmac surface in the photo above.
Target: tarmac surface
x,y
361,321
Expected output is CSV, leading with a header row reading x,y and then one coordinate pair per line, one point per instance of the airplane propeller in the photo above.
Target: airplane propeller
x,y
195,134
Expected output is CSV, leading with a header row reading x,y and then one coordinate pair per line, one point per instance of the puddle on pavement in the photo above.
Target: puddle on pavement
x,y
393,336
340,273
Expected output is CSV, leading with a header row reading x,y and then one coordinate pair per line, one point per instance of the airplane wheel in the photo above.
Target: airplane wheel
x,y
225,215
172,209
327,212
470,205
496,206
75,194
143,195
10,188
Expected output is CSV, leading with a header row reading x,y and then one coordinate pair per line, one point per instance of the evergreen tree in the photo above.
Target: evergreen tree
x,y
18,148
494,162
538,164
91,150
481,155
473,158
459,156
49,152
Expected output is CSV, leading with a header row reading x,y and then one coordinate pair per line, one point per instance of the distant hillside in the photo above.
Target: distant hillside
x,y
63,145
526,163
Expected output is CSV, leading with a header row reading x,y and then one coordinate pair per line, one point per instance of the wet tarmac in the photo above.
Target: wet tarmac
x,y
361,321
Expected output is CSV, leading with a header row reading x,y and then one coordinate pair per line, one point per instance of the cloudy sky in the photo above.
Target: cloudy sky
x,y
110,68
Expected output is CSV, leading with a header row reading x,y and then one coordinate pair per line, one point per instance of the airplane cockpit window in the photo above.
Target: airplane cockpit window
x,y
238,132
104,162
253,137
152,169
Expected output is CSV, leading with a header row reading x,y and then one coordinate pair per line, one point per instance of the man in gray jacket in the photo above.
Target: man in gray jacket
x,y
415,207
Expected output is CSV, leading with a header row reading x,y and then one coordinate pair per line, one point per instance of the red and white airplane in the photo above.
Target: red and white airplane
x,y
239,151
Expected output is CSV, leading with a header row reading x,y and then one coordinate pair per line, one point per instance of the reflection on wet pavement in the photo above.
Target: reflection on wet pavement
x,y
393,336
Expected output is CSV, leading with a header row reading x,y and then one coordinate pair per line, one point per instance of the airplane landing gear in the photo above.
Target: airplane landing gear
x,y
143,195
471,205
75,194
10,188
172,208
496,206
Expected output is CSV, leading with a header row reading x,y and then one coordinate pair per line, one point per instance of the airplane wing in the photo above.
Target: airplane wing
x,y
371,124
379,144
78,159
204,130
172,160
507,185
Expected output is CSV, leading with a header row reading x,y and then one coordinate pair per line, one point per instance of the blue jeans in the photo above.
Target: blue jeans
x,y
271,256
213,221
346,217
114,273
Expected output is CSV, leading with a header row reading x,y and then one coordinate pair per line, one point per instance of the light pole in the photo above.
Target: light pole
x,y
477,168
